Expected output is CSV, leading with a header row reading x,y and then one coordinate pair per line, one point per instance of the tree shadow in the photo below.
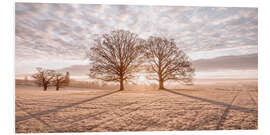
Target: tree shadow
x,y
37,118
122,115
253,100
225,113
228,106
100,113
233,107
35,115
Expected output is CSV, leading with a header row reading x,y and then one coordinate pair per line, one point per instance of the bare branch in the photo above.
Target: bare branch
x,y
115,56
168,61
44,77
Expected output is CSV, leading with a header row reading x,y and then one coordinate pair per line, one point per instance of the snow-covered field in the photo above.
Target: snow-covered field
x,y
82,110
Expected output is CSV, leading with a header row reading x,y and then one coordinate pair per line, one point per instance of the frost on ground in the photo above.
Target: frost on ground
x,y
83,110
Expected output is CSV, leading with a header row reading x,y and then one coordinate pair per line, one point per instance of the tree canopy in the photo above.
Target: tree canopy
x,y
167,61
115,56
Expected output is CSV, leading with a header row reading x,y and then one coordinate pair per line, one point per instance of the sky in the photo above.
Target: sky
x,y
222,42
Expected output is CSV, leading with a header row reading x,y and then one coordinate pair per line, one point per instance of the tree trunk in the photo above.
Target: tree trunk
x,y
161,85
45,87
57,88
160,78
121,84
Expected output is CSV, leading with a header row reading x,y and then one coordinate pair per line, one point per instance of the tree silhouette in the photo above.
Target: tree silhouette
x,y
25,78
67,78
167,62
44,77
59,80
115,56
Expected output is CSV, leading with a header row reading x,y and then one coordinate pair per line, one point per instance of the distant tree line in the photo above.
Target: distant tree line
x,y
47,77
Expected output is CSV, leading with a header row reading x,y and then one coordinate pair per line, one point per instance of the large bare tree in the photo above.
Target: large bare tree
x,y
44,77
115,56
167,61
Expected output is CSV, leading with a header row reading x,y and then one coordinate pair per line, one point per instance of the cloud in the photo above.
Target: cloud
x,y
63,31
230,51
241,62
76,70
228,74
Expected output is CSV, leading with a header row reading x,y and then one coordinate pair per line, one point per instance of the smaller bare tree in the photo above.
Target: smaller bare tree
x,y
25,78
59,81
67,78
167,61
44,77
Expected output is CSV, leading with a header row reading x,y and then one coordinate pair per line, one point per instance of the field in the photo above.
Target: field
x,y
90,110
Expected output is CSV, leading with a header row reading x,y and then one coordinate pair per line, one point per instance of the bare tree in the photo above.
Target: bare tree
x,y
67,78
115,56
25,78
59,80
44,77
167,61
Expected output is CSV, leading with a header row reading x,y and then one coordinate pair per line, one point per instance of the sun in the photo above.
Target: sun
x,y
143,80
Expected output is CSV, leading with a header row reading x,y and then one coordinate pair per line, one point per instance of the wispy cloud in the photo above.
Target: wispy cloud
x,y
242,62
52,33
